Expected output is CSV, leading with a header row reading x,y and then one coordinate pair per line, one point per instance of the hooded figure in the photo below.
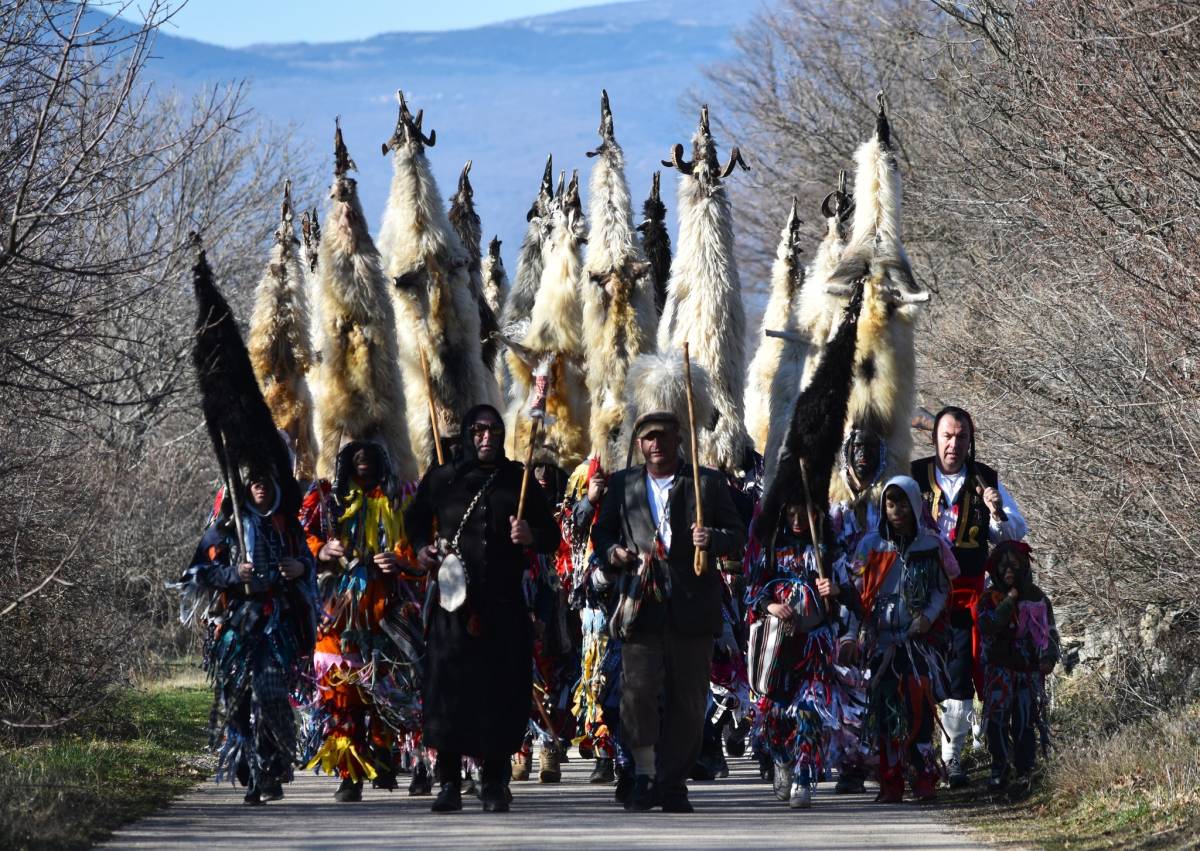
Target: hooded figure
x,y
1020,647
478,676
905,588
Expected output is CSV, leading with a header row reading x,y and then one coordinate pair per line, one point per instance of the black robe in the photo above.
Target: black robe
x,y
478,677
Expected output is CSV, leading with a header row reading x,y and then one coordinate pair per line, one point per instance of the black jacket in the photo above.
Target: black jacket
x,y
478,664
694,607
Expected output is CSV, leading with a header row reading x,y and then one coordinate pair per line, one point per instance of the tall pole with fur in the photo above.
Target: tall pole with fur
x,y
700,562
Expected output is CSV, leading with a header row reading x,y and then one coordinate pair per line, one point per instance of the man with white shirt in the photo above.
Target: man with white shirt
x,y
649,514
974,511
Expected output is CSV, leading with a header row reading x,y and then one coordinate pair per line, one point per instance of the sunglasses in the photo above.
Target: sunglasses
x,y
481,428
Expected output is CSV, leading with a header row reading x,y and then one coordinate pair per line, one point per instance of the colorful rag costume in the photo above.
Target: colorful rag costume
x,y
814,709
1019,641
900,581
258,642
366,715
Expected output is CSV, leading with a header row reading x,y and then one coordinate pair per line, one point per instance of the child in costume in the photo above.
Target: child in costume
x,y
813,708
366,718
1019,648
904,591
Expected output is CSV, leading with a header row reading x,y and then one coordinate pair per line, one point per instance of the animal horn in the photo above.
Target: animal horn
x,y
464,181
548,176
654,186
837,203
735,159
704,127
341,157
562,179
677,161
883,128
606,125
494,248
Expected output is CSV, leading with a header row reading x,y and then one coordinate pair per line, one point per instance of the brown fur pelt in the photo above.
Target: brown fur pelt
x,y
656,382
278,342
435,310
773,381
704,299
555,328
359,393
618,298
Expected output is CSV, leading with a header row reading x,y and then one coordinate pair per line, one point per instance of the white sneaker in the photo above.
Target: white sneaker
x,y
801,797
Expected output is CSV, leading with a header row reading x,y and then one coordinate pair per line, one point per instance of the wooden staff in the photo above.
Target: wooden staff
x,y
528,468
233,502
811,510
437,440
700,562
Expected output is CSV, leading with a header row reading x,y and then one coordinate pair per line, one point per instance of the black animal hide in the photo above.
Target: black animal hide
x,y
656,242
244,437
815,433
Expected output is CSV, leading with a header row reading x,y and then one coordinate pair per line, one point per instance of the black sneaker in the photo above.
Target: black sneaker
x,y
421,783
956,775
734,736
469,788
449,799
253,798
849,784
603,772
624,790
385,780
675,800
349,791
643,796
494,798
272,790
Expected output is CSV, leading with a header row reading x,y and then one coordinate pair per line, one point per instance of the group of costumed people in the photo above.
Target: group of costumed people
x,y
694,557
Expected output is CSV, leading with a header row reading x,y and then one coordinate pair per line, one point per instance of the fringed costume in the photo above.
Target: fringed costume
x,y
365,721
251,581
813,711
905,588
1020,647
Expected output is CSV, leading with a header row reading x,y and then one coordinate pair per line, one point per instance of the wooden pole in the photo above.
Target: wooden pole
x,y
230,473
528,469
433,424
700,562
811,510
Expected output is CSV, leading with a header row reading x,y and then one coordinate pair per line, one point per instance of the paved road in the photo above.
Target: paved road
x,y
739,811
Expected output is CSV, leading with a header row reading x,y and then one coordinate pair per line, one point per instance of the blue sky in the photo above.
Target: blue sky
x,y
236,23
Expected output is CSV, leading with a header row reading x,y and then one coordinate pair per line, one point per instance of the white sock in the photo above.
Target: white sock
x,y
643,761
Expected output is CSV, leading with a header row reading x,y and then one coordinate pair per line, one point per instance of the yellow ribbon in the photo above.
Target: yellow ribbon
x,y
338,753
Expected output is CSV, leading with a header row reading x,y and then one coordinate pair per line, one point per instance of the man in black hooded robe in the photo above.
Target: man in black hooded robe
x,y
478,678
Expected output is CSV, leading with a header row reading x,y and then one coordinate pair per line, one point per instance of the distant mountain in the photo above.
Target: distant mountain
x,y
503,95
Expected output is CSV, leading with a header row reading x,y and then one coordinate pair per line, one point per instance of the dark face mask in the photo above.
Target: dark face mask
x,y
864,456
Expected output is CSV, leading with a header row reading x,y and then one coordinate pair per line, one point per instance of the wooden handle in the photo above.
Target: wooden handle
x,y
700,562
528,469
811,510
433,424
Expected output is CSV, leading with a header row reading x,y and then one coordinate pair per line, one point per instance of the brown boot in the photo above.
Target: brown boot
x,y
549,770
522,764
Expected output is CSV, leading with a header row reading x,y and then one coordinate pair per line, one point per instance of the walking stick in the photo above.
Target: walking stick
x,y
812,528
700,562
233,502
528,468
437,440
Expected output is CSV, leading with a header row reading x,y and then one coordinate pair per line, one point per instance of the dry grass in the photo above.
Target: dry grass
x,y
1135,786
137,753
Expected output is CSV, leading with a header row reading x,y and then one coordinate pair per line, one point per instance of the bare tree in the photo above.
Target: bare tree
x,y
1049,158
101,180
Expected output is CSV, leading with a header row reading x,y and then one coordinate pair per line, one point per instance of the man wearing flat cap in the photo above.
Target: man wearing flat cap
x,y
647,525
